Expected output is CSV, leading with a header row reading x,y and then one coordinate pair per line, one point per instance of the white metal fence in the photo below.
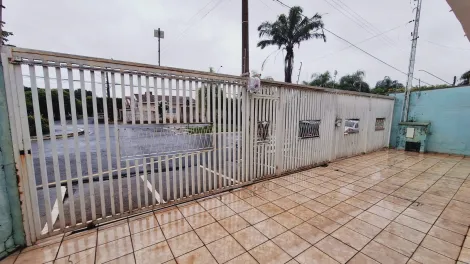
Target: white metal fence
x,y
85,156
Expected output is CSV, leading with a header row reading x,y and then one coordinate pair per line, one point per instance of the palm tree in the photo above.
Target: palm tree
x,y
322,79
465,78
354,82
287,31
387,85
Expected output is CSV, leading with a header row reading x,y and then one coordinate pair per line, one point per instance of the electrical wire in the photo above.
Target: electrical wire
x,y
444,46
352,44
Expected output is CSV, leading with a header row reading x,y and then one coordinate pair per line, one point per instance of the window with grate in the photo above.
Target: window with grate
x,y
309,129
351,126
379,124
263,130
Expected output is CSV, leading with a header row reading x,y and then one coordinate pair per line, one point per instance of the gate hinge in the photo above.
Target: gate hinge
x,y
22,151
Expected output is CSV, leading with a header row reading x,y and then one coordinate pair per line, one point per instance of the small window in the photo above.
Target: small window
x,y
379,124
309,129
263,131
351,126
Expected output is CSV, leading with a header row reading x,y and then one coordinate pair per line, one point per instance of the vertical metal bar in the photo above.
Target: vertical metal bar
x,y
152,179
220,145
132,99
239,133
194,164
167,174
55,160
108,143
164,103
223,134
186,173
156,103
144,167
141,107
116,140
67,162
214,133
160,180
193,104
204,172
174,178
170,99
137,182
185,102
180,174
97,146
245,133
148,99
129,185
253,130
178,109
39,135
230,137
78,161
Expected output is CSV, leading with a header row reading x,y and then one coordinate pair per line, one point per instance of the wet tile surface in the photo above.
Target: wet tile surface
x,y
382,207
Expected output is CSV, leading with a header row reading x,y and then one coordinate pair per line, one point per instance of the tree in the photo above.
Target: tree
x,y
465,78
321,79
354,82
387,85
288,31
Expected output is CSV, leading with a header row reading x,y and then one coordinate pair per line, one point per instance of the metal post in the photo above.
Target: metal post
x,y
158,46
298,76
411,67
245,38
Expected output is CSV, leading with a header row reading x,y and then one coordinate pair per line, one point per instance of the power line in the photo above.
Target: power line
x,y
444,46
352,44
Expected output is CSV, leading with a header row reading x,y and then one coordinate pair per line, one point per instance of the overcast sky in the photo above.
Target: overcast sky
x,y
123,30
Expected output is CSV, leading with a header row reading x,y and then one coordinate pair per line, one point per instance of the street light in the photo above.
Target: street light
x,y
435,76
159,34
219,69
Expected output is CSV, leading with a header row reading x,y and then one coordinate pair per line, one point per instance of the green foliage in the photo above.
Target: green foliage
x,y
354,82
387,85
5,35
32,126
465,78
288,31
322,80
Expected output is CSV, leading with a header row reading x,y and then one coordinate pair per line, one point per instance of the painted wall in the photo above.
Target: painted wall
x,y
448,110
11,224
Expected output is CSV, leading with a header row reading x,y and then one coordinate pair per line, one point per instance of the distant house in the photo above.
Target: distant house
x,y
156,104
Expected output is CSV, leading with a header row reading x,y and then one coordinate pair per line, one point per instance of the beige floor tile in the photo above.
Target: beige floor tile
x,y
39,255
291,243
253,216
374,219
234,223
270,196
113,250
430,219
446,235
199,220
285,203
452,226
383,212
363,228
314,256
221,212
168,215
243,259
326,225
348,209
405,232
147,238
85,256
44,242
299,198
225,249
229,198
396,243
358,203
465,255
176,228
351,238
309,193
383,254
269,253
295,187
360,258
198,256
302,212
211,232
11,259
127,259
398,201
255,201
413,223
442,247
155,254
391,206
142,224
309,233
316,206
190,209
184,243
270,209
270,228
328,201
210,203
336,249
77,244
113,233
283,191
249,237
426,256
288,220
337,216
240,206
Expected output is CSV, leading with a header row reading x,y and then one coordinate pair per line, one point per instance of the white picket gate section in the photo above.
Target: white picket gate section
x,y
125,138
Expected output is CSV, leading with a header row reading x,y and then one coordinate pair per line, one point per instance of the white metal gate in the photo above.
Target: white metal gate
x,y
99,139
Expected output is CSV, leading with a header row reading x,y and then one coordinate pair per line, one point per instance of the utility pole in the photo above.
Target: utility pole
x,y
298,76
159,34
411,67
245,39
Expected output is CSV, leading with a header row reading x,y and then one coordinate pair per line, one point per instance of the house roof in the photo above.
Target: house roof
x,y
461,9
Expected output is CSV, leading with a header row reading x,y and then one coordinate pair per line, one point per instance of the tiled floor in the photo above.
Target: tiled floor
x,y
384,207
